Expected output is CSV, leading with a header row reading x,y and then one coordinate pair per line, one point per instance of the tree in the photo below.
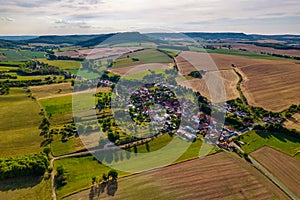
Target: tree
x,y
4,89
113,174
105,177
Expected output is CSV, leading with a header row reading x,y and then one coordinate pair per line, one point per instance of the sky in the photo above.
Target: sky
x,y
42,17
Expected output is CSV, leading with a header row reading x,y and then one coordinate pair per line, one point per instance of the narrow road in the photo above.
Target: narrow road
x,y
263,170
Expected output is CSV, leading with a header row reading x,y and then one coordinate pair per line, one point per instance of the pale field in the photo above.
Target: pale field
x,y
293,122
284,167
219,176
225,90
274,86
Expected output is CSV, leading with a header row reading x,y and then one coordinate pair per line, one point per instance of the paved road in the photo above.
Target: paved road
x,y
269,175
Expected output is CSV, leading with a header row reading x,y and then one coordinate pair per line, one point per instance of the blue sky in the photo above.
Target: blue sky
x,y
38,17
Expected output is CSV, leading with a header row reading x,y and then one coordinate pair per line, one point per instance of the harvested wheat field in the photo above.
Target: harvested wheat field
x,y
293,122
227,79
284,167
219,176
138,68
274,86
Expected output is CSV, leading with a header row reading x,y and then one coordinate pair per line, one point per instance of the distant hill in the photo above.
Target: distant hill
x,y
13,38
65,39
216,36
7,44
131,37
95,41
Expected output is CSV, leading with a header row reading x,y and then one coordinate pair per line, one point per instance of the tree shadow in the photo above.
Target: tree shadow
x,y
112,187
19,183
45,143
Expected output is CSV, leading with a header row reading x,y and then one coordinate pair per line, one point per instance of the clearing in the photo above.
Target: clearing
x,y
284,167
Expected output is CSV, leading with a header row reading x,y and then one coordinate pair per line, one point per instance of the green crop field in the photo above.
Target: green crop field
x,y
26,188
79,173
19,124
284,143
62,64
239,53
84,73
143,57
59,109
7,68
15,55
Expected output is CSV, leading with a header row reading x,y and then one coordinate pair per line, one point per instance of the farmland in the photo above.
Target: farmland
x,y
48,91
19,124
16,55
214,177
26,188
255,140
62,64
229,78
58,108
128,70
293,122
142,57
274,86
284,167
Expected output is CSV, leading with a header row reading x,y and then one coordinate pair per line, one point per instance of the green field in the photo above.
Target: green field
x,y
284,143
59,109
84,73
239,53
7,68
144,57
80,170
22,55
59,148
19,124
79,173
33,188
141,75
62,64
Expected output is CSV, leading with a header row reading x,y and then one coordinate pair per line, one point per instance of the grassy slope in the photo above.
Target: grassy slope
x,y
145,56
13,55
254,141
26,188
62,64
19,124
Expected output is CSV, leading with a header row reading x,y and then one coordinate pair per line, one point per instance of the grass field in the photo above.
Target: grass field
x,y
19,124
284,167
62,64
293,122
14,55
60,109
284,143
33,188
274,85
144,57
219,176
84,73
61,148
138,70
80,172
48,91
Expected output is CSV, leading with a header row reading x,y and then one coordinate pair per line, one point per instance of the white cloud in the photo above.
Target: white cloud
x,y
121,15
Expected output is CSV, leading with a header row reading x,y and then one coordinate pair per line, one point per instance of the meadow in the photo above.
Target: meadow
x,y
19,124
256,140
62,64
59,109
34,188
48,91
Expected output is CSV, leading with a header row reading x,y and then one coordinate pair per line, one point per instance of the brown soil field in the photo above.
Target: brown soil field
x,y
273,86
254,48
220,176
293,122
59,90
44,91
138,68
228,77
284,167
